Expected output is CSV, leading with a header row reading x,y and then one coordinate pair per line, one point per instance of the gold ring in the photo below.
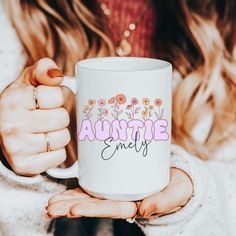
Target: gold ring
x,y
36,99
132,220
48,147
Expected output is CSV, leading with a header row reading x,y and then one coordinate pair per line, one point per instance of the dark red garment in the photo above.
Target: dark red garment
x,y
124,12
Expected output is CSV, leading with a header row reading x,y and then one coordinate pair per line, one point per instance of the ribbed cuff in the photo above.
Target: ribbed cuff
x,y
39,183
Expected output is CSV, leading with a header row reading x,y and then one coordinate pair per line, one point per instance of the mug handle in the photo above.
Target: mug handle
x,y
72,171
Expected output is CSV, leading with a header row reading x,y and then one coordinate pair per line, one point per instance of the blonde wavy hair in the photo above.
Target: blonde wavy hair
x,y
197,37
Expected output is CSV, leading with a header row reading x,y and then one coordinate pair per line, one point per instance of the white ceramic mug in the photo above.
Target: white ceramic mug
x,y
124,127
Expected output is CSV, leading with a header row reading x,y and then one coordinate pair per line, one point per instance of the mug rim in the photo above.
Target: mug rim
x,y
88,64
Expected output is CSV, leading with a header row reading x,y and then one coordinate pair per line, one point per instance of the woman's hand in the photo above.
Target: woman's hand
x,y
26,131
171,199
77,203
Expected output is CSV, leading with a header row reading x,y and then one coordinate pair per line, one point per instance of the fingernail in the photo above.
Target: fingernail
x,y
54,73
47,216
149,211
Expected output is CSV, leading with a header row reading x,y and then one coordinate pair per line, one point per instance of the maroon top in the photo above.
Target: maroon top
x,y
124,12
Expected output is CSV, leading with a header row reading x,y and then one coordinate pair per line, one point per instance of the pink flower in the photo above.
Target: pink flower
x,y
101,102
105,112
134,101
128,107
158,102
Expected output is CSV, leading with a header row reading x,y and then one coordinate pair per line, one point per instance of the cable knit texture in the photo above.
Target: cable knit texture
x,y
211,211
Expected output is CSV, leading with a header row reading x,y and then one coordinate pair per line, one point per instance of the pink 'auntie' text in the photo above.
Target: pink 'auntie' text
x,y
117,130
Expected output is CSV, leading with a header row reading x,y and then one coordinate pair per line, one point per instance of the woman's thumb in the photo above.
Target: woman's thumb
x,y
44,72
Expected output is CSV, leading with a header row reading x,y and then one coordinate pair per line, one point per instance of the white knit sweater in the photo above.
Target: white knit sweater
x,y
212,210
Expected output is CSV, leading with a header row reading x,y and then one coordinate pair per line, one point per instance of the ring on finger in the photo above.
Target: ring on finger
x,y
48,146
36,99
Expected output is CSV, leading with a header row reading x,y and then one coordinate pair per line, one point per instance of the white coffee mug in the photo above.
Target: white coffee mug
x,y
124,127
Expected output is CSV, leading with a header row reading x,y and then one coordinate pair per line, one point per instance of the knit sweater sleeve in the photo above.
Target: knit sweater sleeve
x,y
211,210
22,203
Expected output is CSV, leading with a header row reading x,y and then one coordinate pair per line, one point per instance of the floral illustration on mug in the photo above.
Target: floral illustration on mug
x,y
147,110
159,114
88,108
116,102
102,111
132,108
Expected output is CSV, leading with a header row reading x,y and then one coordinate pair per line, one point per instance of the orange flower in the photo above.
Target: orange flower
x,y
158,102
111,100
91,102
120,99
146,101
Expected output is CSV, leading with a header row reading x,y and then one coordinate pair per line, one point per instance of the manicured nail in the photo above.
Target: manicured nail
x,y
47,216
149,211
54,73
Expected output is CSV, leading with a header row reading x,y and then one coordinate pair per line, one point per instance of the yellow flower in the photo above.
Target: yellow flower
x,y
91,102
144,113
146,101
86,109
